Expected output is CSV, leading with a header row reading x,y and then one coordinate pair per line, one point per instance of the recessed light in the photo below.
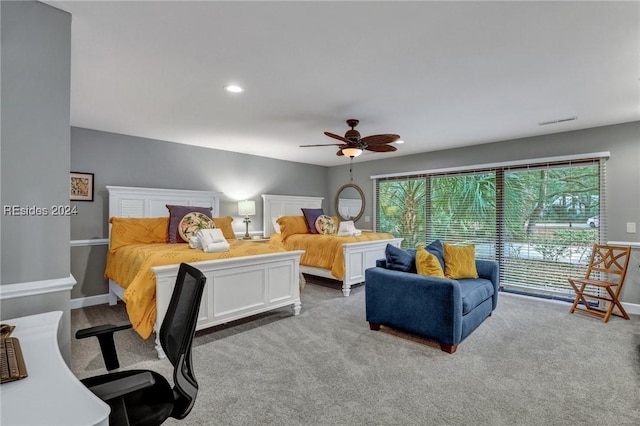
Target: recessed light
x,y
233,88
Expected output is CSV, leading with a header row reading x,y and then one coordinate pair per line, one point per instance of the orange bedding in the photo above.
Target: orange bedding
x,y
130,266
324,251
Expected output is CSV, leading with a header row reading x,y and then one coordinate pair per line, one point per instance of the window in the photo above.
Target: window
x,y
538,220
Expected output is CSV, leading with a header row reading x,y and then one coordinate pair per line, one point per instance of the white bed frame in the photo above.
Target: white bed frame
x,y
235,288
357,256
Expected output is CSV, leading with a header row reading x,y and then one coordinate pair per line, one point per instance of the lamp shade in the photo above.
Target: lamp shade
x,y
247,208
352,152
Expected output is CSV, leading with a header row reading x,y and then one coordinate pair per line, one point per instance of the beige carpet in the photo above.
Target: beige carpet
x,y
530,363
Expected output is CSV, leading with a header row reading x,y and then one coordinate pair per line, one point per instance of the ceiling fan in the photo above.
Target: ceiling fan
x,y
353,145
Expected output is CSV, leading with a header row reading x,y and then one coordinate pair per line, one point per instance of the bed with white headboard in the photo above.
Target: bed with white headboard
x,y
358,256
236,287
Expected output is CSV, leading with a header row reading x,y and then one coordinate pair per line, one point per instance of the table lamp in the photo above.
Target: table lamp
x,y
247,208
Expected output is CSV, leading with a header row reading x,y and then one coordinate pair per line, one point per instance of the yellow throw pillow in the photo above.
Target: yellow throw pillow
x,y
224,224
290,225
460,261
428,264
137,230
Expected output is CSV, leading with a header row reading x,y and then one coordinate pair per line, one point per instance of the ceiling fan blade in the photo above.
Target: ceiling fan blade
x,y
381,148
339,153
340,138
379,139
321,144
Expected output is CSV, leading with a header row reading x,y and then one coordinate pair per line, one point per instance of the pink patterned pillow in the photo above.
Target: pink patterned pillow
x,y
193,222
176,213
326,225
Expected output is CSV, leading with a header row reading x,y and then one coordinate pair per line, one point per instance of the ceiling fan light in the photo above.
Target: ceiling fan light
x,y
351,152
233,88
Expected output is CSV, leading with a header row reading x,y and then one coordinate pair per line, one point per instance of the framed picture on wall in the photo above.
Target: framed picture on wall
x,y
81,186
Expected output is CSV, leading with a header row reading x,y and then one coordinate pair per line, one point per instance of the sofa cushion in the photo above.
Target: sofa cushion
x,y
460,261
473,292
399,259
437,250
427,263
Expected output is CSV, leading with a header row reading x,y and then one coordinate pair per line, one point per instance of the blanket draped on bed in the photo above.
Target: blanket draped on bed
x,y
130,267
325,250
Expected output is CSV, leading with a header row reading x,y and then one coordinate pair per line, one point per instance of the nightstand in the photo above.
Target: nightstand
x,y
259,240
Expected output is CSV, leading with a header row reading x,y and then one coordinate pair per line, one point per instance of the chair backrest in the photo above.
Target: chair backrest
x,y
176,335
608,263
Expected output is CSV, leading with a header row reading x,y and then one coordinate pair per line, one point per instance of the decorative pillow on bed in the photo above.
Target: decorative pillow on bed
x,y
176,213
224,223
192,223
276,225
311,215
326,225
290,225
137,230
460,261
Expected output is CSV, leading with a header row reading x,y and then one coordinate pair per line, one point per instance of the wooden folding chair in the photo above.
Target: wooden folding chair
x,y
606,272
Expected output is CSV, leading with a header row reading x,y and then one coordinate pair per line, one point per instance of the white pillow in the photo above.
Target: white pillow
x,y
276,226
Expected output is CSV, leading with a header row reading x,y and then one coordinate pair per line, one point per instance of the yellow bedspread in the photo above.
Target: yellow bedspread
x,y
130,267
324,251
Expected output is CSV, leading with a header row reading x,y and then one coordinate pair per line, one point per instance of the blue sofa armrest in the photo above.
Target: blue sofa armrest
x,y
419,304
489,269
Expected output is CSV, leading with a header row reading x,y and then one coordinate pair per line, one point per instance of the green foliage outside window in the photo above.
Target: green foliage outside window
x,y
534,214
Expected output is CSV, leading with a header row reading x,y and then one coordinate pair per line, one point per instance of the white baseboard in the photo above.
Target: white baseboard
x,y
103,299
83,302
631,308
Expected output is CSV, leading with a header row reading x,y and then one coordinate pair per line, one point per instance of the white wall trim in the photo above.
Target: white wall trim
x,y
83,302
633,245
92,242
103,299
631,308
513,163
34,288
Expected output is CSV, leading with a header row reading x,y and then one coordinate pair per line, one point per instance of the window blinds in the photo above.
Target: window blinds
x,y
538,220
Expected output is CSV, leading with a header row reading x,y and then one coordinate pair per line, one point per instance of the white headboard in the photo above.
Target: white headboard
x,y
151,202
274,206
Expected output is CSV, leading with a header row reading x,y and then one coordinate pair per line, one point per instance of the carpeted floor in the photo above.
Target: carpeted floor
x,y
530,363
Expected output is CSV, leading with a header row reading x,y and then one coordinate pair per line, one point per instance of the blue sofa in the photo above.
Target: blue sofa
x,y
442,309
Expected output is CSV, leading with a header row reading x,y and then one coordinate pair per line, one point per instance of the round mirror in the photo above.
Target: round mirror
x,y
349,202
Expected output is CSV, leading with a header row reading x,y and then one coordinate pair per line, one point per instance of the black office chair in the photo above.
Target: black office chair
x,y
143,397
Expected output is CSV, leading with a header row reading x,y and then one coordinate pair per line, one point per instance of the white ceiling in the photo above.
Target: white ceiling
x,y
440,74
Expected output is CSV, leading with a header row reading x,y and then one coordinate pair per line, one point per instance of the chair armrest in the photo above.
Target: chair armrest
x,y
102,329
104,333
489,269
123,386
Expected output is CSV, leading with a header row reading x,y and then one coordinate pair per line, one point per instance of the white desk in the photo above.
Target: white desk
x,y
51,395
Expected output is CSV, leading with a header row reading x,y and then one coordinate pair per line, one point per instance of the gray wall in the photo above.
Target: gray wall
x,y
36,58
623,172
35,139
131,161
